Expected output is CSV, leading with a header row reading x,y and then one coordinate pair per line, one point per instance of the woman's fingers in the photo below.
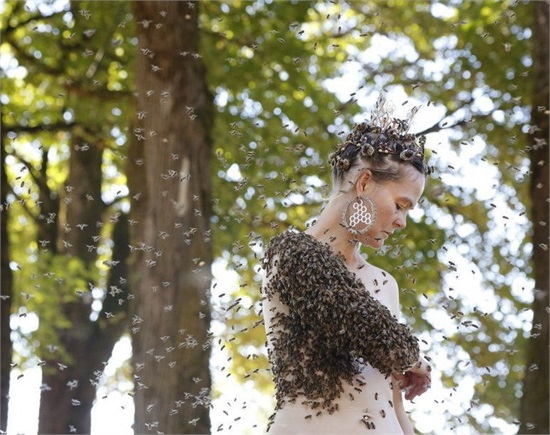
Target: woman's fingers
x,y
415,385
402,380
413,382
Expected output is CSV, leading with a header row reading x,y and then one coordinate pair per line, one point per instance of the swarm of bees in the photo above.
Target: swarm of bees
x,y
331,322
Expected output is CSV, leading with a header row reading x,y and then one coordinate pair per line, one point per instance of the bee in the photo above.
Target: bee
x,y
366,419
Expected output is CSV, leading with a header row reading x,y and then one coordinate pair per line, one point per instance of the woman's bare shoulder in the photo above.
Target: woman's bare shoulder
x,y
383,286
387,278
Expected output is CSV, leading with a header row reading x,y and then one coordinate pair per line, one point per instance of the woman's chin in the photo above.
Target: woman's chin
x,y
374,242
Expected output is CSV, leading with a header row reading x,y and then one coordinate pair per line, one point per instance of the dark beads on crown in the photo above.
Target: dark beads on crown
x,y
384,135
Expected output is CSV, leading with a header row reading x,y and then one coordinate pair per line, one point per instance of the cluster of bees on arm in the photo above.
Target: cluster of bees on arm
x,y
331,323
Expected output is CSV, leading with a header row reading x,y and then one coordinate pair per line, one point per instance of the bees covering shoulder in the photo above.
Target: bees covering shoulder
x,y
328,322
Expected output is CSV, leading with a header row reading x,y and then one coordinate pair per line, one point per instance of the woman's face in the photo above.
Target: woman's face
x,y
393,201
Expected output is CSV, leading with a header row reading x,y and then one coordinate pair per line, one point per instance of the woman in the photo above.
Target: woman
x,y
340,359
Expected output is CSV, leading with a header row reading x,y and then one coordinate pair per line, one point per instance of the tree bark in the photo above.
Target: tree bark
x,y
169,177
534,404
6,283
65,409
48,228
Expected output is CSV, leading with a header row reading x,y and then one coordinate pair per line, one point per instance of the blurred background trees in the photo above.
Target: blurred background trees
x,y
58,134
143,142
535,384
168,174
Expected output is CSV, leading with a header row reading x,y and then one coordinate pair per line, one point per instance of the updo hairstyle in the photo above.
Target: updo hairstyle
x,y
383,150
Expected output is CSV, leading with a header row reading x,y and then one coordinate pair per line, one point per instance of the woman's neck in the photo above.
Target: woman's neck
x,y
327,228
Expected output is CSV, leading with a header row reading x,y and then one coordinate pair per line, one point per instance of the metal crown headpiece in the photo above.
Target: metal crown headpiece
x,y
383,134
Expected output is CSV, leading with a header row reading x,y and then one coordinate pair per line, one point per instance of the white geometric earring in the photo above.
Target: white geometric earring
x,y
359,215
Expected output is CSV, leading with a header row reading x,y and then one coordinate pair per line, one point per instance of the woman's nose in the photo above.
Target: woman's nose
x,y
401,221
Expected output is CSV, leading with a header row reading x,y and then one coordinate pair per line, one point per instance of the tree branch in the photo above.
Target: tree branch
x,y
76,86
32,60
102,94
55,127
436,127
41,183
23,203
10,29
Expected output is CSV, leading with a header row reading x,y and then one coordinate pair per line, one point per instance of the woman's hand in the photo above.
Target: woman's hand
x,y
415,381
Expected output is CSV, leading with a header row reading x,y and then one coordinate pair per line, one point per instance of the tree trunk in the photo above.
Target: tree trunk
x,y
534,404
89,343
169,177
6,283
48,229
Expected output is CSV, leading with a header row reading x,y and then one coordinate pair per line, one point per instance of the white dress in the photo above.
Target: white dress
x,y
324,331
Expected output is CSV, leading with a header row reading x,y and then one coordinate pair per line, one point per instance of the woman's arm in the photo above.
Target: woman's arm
x,y
331,304
402,416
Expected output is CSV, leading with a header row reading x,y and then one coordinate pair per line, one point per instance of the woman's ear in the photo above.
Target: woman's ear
x,y
363,182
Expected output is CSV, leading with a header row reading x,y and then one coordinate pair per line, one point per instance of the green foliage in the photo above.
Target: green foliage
x,y
45,283
68,75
